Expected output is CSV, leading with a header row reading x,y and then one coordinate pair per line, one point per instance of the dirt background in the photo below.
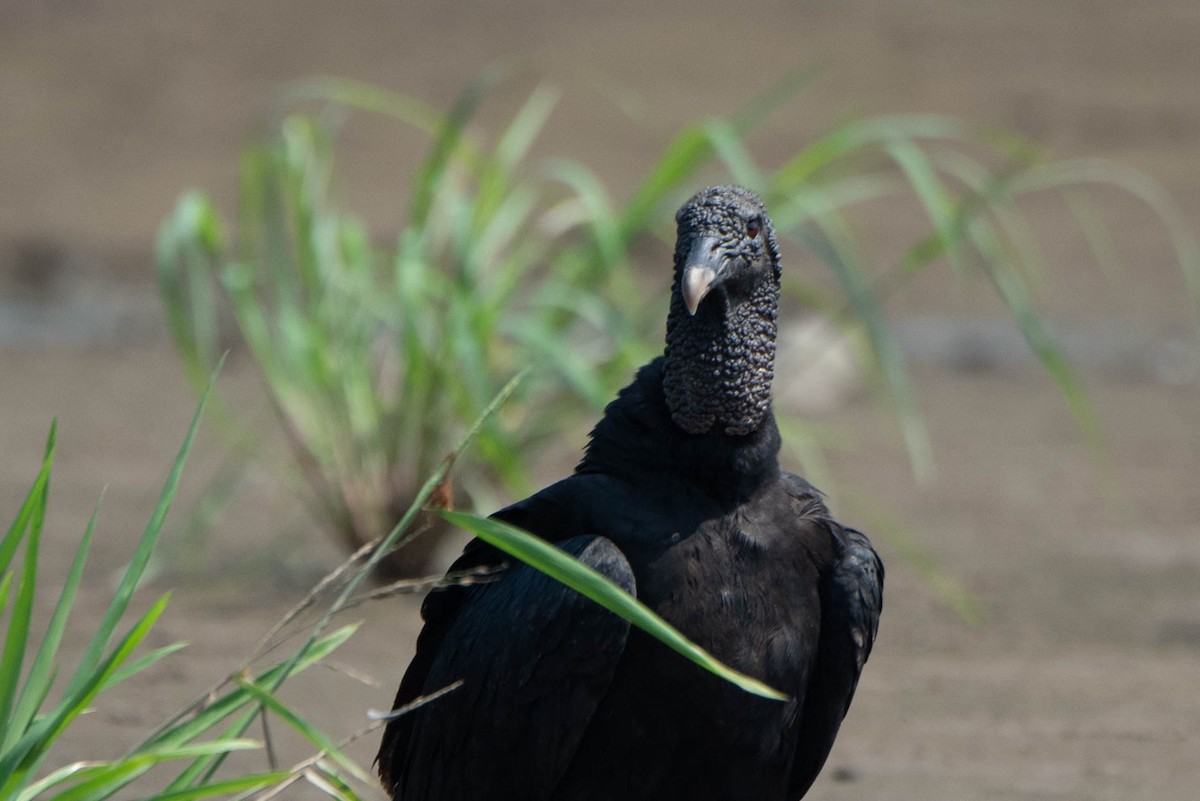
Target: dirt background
x,y
1083,681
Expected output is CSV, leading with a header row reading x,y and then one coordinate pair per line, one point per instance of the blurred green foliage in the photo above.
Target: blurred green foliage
x,y
375,355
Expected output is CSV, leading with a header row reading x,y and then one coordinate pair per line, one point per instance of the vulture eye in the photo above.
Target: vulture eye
x,y
752,229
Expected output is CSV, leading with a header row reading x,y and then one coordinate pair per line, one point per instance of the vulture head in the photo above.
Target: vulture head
x,y
725,244
720,352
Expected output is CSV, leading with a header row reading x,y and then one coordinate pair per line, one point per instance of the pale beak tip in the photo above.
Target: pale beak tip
x,y
697,281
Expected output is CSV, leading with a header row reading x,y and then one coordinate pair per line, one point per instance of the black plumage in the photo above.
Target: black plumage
x,y
679,499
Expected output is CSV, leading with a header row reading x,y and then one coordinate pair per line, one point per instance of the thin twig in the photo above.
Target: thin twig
x,y
479,575
268,743
264,645
462,578
352,673
416,703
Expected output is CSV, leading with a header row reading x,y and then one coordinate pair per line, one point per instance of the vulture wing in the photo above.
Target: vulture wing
x,y
534,656
851,601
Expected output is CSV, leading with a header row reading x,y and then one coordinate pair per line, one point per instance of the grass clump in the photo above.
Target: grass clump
x,y
198,737
376,358
32,723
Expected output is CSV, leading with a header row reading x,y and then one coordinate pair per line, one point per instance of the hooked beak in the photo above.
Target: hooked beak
x,y
700,271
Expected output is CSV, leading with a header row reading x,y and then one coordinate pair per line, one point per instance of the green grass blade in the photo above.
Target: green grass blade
x,y
690,149
41,672
451,133
200,772
328,782
185,727
1048,351
938,204
5,586
102,782
189,246
602,221
693,148
102,774
811,202
761,105
137,666
352,94
21,615
86,670
16,530
728,146
548,347
310,732
76,771
1098,235
514,143
832,244
560,566
226,787
856,138
23,759
992,195
1068,174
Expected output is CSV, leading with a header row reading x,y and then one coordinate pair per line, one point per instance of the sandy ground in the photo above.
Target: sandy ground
x,y
1081,681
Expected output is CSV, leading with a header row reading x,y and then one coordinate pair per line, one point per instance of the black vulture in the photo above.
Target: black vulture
x,y
679,498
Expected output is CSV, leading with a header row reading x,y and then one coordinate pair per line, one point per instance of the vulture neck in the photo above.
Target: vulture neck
x,y
637,441
701,413
719,363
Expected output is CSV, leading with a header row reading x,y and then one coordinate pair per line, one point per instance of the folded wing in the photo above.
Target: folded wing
x,y
535,658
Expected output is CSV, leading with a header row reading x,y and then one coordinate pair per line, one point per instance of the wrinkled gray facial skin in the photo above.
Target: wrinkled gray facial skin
x,y
720,352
